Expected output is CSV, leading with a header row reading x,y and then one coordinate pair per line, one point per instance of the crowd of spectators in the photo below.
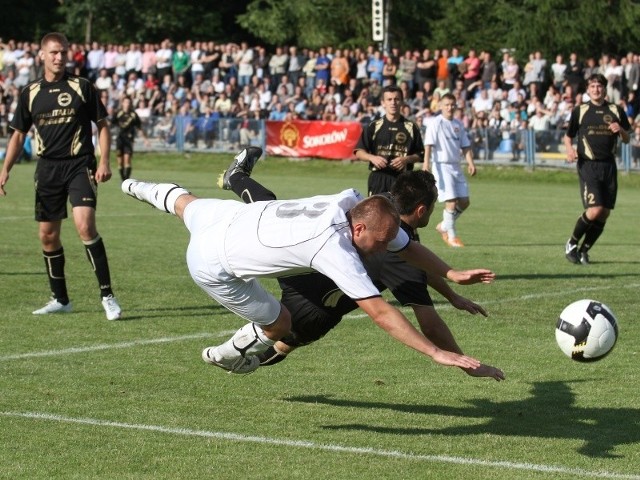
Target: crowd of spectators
x,y
189,86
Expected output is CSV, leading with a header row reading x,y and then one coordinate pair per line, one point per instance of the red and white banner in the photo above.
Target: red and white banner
x,y
332,140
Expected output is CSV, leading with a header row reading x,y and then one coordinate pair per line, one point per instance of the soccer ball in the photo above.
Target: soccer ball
x,y
586,331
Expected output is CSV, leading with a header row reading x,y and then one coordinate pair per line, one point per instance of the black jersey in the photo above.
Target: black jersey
x,y
314,294
590,123
390,140
127,122
62,113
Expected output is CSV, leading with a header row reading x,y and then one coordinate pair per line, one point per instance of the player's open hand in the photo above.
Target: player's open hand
x,y
455,360
486,371
469,277
462,303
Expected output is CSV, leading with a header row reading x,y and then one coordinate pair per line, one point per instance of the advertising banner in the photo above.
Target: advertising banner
x,y
330,140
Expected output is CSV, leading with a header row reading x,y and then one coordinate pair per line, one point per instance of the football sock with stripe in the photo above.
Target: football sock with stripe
x,y
54,263
249,190
97,255
591,236
249,340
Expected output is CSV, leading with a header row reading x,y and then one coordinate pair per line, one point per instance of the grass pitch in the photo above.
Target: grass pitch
x,y
81,397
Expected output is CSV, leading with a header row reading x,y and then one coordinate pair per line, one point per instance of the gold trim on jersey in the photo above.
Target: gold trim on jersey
x,y
74,84
76,143
34,89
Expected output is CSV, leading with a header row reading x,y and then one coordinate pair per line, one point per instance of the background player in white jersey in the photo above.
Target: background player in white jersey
x,y
323,233
445,141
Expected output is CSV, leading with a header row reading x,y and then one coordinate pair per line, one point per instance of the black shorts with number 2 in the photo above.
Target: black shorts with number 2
x,y
59,180
598,183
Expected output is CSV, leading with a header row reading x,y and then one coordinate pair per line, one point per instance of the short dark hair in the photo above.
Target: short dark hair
x,y
54,37
413,188
393,89
597,78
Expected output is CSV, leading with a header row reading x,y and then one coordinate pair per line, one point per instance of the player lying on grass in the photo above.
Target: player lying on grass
x,y
315,302
233,244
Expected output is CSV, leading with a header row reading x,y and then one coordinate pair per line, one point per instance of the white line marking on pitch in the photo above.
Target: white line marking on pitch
x,y
234,437
107,346
533,296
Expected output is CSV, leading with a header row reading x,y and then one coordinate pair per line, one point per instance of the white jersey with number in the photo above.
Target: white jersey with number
x,y
283,237
447,138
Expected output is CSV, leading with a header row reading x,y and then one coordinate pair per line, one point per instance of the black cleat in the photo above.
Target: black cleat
x,y
244,161
584,258
571,252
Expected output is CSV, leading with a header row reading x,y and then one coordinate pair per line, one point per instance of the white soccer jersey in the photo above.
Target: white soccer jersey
x,y
447,138
273,239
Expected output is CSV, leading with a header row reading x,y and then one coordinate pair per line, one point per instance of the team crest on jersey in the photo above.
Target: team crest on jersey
x,y
607,119
289,135
64,99
401,138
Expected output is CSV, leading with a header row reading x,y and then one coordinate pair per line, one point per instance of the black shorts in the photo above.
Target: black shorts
x,y
380,182
59,180
598,183
124,146
407,283
308,321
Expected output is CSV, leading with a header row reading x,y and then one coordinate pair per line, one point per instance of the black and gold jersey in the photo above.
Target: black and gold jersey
x,y
127,122
61,113
391,139
590,124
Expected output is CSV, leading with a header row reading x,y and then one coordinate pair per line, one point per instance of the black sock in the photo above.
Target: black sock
x,y
582,225
97,255
54,263
270,357
127,173
592,235
249,190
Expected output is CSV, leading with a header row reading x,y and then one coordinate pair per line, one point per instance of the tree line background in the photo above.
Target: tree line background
x,y
551,26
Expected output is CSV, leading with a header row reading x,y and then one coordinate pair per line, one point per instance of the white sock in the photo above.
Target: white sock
x,y
249,340
449,222
163,196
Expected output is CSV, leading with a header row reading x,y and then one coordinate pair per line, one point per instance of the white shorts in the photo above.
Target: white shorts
x,y
207,220
450,180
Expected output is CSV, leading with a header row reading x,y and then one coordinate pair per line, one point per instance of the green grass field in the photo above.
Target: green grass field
x,y
84,398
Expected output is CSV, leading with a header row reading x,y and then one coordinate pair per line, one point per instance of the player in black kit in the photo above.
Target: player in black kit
x,y
317,305
61,107
597,125
391,144
127,121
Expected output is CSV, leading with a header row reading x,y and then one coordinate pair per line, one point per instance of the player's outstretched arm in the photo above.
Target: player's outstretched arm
x,y
421,257
458,301
396,324
435,329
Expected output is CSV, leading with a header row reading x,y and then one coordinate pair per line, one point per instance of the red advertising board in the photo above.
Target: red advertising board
x,y
331,140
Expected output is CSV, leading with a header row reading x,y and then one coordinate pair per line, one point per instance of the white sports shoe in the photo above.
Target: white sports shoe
x,y
54,306
111,307
242,365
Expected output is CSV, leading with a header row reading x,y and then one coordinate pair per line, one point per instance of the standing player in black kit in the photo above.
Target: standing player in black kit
x,y
61,107
127,121
391,144
597,125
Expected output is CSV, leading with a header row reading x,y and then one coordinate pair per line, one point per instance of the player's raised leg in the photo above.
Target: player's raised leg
x,y
163,196
243,162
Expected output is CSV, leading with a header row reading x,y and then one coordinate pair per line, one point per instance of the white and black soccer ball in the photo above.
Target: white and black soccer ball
x,y
586,331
